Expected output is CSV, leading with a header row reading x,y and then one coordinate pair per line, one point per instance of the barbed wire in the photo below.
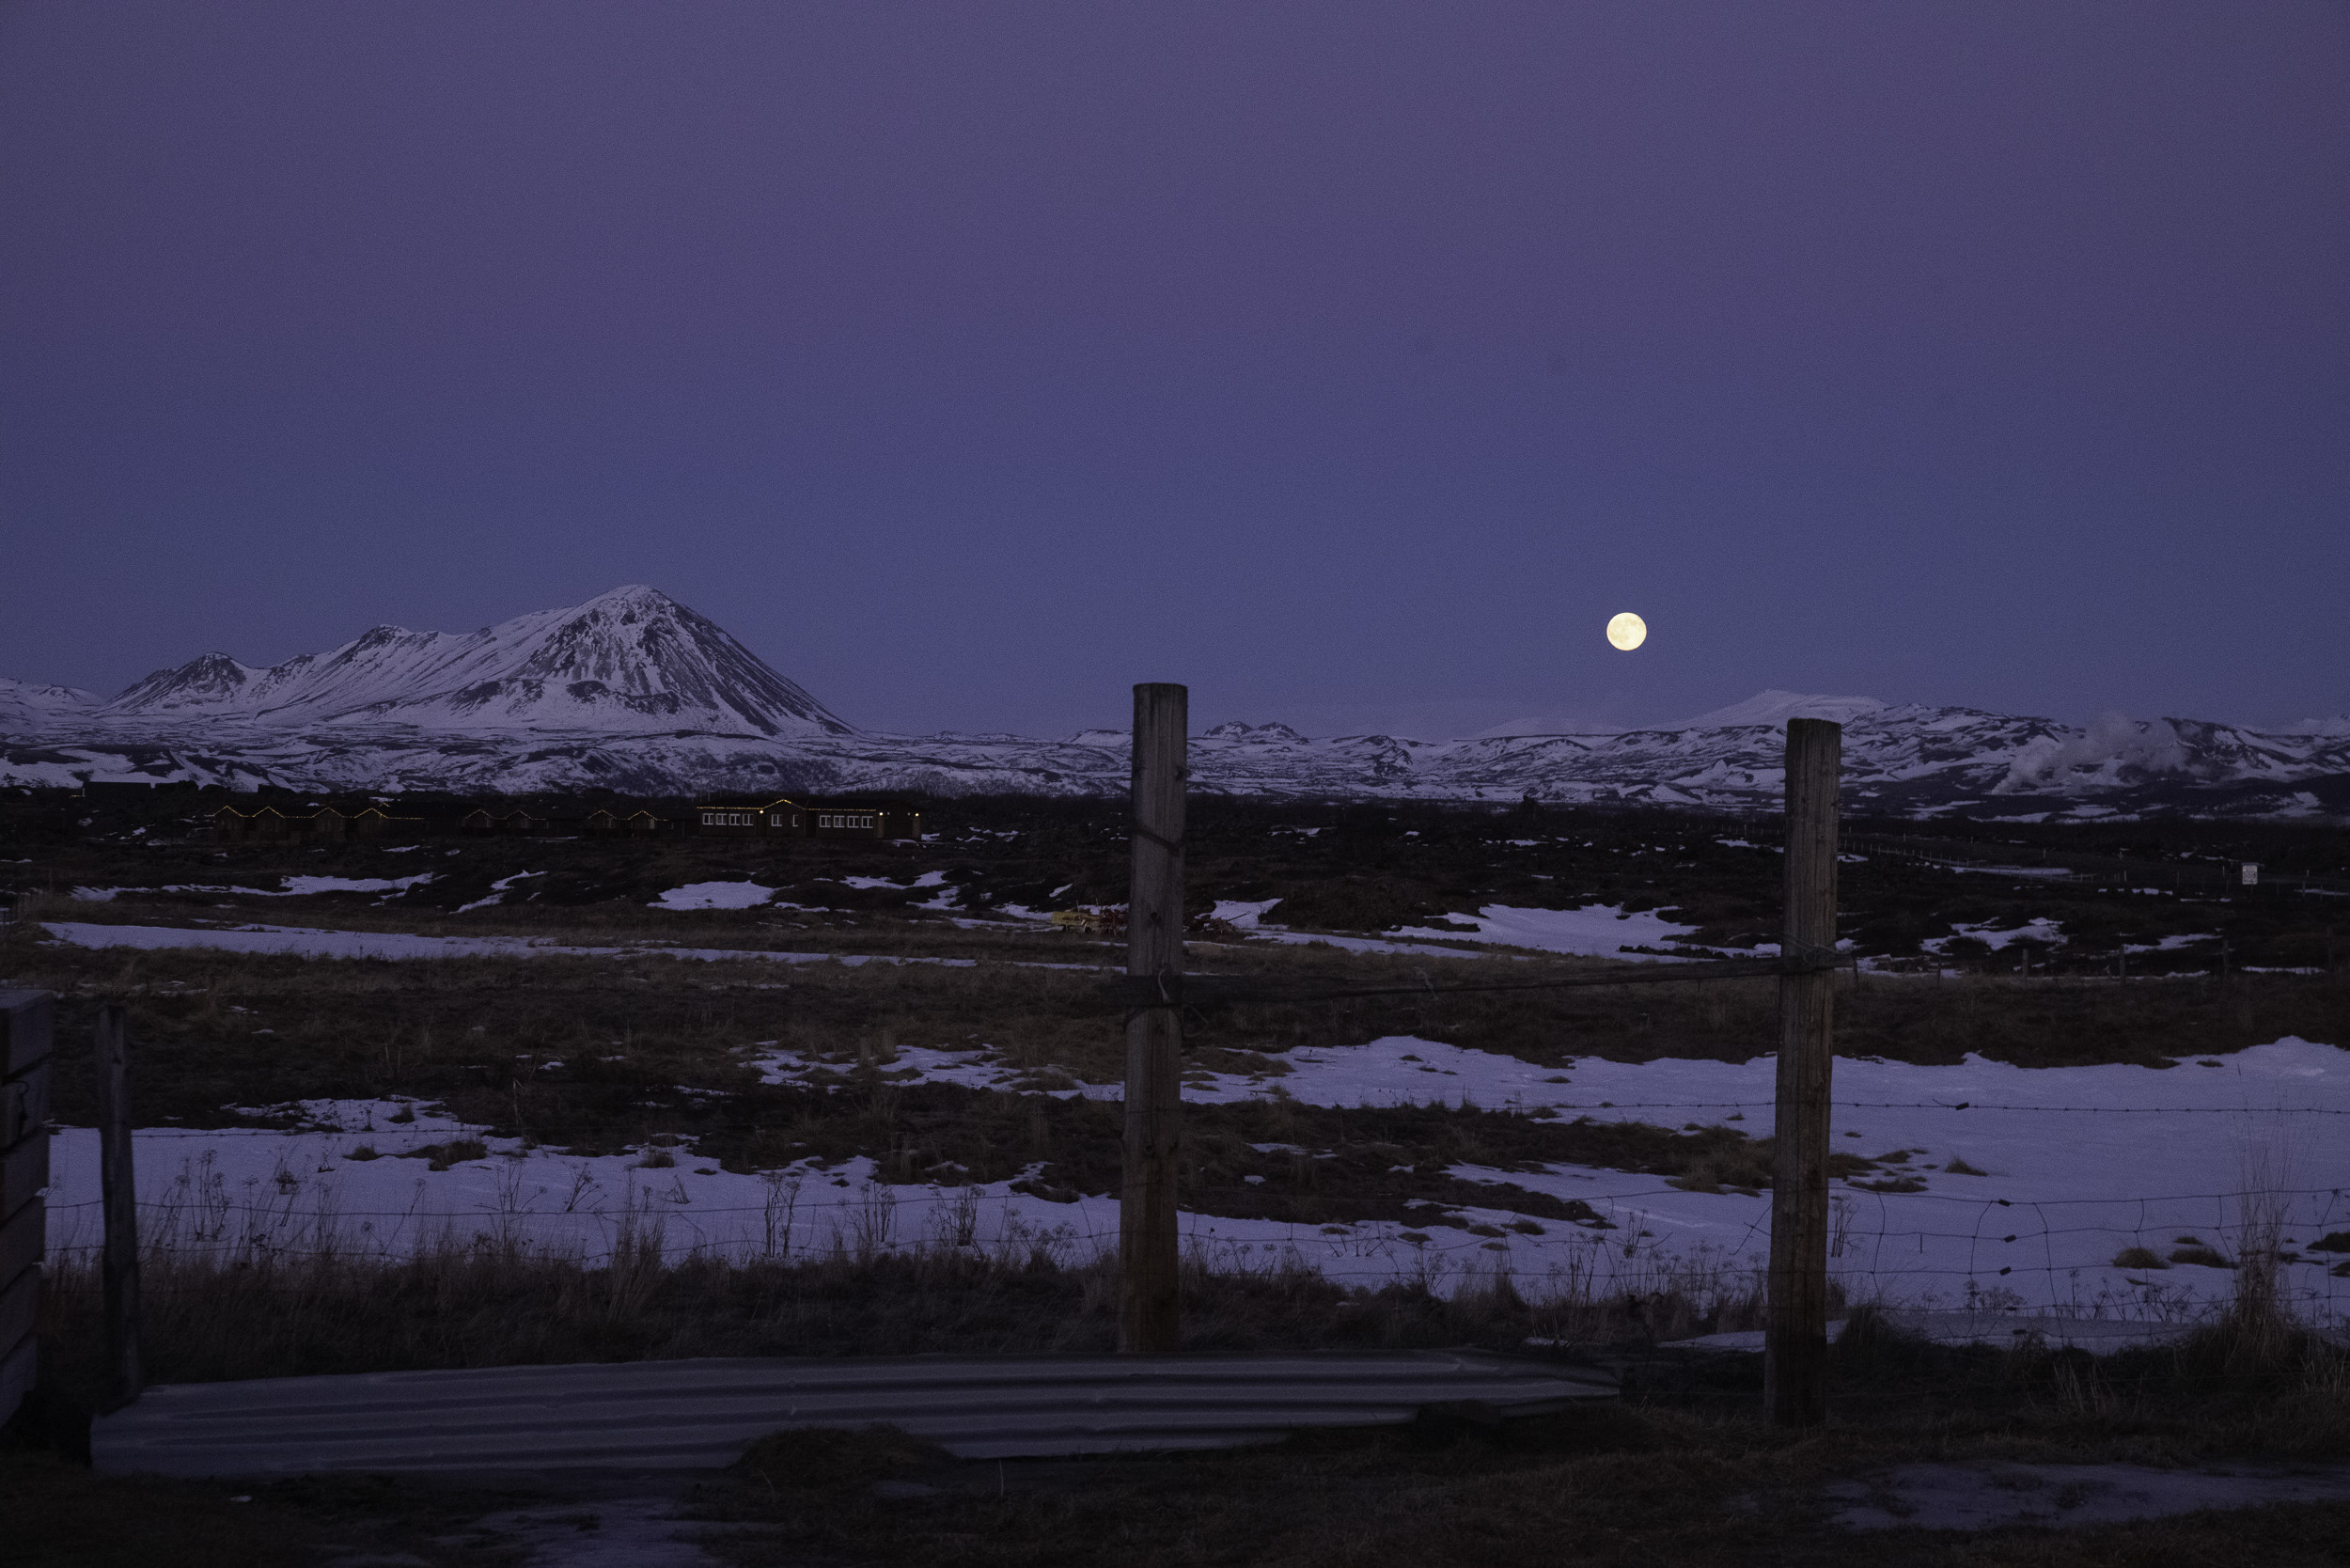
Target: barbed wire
x,y
1943,1105
1603,1265
941,1192
702,1124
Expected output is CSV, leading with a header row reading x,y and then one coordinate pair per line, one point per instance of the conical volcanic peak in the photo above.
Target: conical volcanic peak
x,y
209,682
633,661
641,647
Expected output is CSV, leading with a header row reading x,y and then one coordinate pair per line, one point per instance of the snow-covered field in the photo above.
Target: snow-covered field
x,y
2075,1164
2025,1183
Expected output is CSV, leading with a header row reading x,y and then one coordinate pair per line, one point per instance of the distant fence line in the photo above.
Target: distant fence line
x,y
2173,875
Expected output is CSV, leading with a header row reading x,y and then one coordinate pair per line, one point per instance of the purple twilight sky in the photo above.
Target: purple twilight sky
x,y
1351,362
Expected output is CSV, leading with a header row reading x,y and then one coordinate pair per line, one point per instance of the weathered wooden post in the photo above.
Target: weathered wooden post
x,y
1794,1340
120,1195
1149,1307
26,1026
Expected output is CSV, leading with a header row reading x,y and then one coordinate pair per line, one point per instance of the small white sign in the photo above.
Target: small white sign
x,y
2252,873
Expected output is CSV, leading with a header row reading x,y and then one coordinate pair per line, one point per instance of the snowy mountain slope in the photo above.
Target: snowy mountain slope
x,y
26,708
1777,707
632,660
1901,761
633,692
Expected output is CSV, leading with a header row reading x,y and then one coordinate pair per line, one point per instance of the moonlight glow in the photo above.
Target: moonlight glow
x,y
1627,631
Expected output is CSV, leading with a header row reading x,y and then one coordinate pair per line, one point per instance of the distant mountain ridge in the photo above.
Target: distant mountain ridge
x,y
632,660
631,691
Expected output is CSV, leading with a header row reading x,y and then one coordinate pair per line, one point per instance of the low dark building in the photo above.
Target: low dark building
x,y
270,824
232,826
518,822
863,819
777,817
607,821
116,791
384,821
749,817
524,822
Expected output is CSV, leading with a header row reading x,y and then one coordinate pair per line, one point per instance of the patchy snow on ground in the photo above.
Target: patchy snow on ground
x,y
714,895
498,890
972,1066
2009,871
295,888
928,879
2075,1165
2000,1331
310,943
1600,931
359,1183
306,942
975,1067
302,886
1369,944
2172,944
602,1531
2039,930
2001,1496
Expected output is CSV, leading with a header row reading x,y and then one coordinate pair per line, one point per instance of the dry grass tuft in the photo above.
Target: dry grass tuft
x,y
215,1314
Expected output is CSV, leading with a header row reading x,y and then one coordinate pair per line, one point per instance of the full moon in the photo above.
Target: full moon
x,y
1627,631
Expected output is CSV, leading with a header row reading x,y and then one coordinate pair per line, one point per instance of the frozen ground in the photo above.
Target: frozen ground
x,y
307,942
716,895
2001,1330
752,895
1601,931
599,1530
295,888
2075,1165
1369,944
1247,918
2067,1497
310,942
2042,929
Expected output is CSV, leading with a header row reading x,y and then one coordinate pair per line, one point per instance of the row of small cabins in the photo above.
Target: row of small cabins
x,y
771,818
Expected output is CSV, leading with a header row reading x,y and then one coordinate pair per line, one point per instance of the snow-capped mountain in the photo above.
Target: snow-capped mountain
x,y
633,692
630,661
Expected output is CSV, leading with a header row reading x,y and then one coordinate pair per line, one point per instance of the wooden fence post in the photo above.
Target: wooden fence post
x,y
27,1026
1150,1306
120,1193
1794,1340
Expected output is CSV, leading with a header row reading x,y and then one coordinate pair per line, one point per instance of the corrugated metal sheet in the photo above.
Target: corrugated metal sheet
x,y
699,1414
